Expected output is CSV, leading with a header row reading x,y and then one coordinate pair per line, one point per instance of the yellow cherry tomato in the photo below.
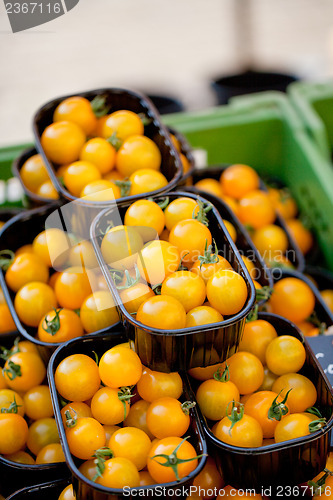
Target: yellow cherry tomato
x,y
227,292
34,173
146,180
52,246
124,124
78,175
145,213
100,190
62,142
76,110
48,191
25,268
33,301
99,152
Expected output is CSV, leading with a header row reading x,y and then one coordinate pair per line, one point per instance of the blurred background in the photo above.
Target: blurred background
x,y
173,47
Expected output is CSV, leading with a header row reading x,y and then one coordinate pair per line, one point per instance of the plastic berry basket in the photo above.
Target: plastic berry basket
x,y
186,150
117,99
186,348
14,475
294,253
18,231
50,490
321,309
287,463
34,200
83,487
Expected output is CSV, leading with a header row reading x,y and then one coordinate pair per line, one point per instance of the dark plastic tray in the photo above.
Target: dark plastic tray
x,y
323,277
294,253
323,312
280,464
166,104
186,150
51,491
118,99
21,230
189,347
84,487
13,475
244,242
34,200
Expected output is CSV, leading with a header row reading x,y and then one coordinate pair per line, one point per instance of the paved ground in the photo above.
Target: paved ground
x,y
174,46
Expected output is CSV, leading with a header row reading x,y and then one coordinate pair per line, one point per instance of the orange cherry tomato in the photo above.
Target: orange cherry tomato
x,y
292,427
137,417
120,247
162,310
256,337
120,366
48,191
293,299
227,291
85,437
8,397
72,288
78,174
59,326
124,124
37,402
24,370
267,408
208,480
33,301
76,409
187,287
108,408
52,247
327,296
191,237
245,432
13,433
51,453
211,186
238,180
285,354
246,372
231,230
145,213
67,493
34,173
99,152
202,315
62,142
137,152
98,311
180,209
301,235
77,377
41,433
303,394
7,323
166,446
131,443
256,209
134,296
76,110
146,180
167,417
100,190
82,255
119,472
207,268
271,241
21,457
157,260
154,385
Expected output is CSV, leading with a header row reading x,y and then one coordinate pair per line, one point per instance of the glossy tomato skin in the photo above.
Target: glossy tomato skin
x,y
37,402
292,427
134,296
154,385
123,123
137,417
246,372
206,271
67,493
51,453
107,408
76,110
41,433
34,173
99,152
238,180
162,310
256,337
119,472
69,328
62,142
258,405
285,354
187,287
246,433
166,417
180,209
120,367
293,299
146,180
31,368
167,446
13,433
137,152
78,174
7,323
98,311
145,213
191,237
7,397
157,260
303,394
202,315
72,287
227,291
52,247
131,443
77,377
33,301
85,437
214,396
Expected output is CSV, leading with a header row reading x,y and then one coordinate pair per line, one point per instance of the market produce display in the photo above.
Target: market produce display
x,y
175,318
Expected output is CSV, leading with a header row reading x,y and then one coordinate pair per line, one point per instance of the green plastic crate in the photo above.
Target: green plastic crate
x,y
314,103
264,131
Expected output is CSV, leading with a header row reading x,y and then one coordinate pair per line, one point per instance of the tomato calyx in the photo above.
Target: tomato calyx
x,y
278,410
313,318
249,228
263,293
163,203
236,414
71,420
99,106
115,141
124,395
319,487
316,425
157,288
7,353
145,120
173,461
125,186
12,408
13,370
209,257
187,405
314,411
129,280
101,455
222,376
181,267
201,216
6,259
253,314
52,325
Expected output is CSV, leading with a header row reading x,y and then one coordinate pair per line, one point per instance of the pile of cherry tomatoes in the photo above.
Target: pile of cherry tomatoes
x,y
28,430
64,304
179,276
